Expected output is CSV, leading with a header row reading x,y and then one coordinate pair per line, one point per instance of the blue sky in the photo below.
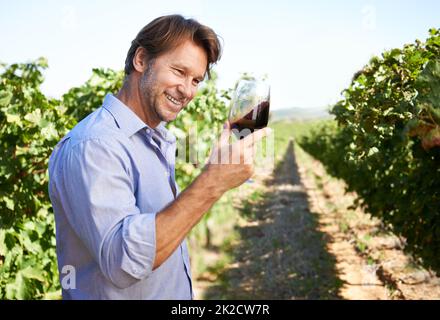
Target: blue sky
x,y
309,49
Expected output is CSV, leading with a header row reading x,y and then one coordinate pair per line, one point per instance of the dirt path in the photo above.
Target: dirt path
x,y
359,278
282,254
298,240
370,260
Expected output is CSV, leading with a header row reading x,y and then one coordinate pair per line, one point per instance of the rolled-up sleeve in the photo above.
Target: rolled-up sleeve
x,y
101,209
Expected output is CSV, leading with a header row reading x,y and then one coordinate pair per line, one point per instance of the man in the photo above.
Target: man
x,y
120,222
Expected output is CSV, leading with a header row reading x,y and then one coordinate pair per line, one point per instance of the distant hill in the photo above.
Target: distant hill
x,y
299,114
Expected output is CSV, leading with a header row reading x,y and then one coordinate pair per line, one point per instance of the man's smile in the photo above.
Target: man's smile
x,y
174,100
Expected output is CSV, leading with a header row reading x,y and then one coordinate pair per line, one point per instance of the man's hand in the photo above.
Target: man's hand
x,y
232,164
229,166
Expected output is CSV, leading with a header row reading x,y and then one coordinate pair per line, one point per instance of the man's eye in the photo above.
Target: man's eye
x,y
179,72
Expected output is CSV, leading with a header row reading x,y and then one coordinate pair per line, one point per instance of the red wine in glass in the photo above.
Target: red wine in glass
x,y
257,118
250,107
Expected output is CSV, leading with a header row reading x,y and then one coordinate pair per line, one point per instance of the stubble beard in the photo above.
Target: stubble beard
x,y
150,93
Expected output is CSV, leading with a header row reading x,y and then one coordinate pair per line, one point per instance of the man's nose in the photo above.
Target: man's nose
x,y
187,89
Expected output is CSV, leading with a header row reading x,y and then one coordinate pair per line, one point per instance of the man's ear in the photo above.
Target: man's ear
x,y
140,60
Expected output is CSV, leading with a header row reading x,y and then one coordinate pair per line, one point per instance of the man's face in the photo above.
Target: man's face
x,y
170,82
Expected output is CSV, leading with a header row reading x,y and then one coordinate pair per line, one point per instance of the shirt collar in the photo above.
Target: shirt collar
x,y
125,118
130,123
164,133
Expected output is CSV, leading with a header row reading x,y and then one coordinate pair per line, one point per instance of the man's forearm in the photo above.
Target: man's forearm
x,y
175,221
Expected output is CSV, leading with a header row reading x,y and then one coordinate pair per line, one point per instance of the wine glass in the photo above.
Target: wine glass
x,y
249,106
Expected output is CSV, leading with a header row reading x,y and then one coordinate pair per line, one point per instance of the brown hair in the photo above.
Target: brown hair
x,y
167,32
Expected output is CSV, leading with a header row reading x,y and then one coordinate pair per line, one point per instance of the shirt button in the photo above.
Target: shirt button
x,y
148,131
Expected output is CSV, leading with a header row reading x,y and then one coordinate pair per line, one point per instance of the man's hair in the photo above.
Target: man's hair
x,y
167,32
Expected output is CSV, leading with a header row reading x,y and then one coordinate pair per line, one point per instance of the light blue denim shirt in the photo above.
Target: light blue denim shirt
x,y
109,177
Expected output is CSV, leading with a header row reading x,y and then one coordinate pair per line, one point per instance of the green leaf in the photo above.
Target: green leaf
x,y
5,98
34,116
49,132
33,273
42,62
13,118
9,203
372,151
19,289
31,246
53,295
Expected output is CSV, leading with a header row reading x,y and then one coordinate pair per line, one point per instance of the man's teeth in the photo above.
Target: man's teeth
x,y
175,101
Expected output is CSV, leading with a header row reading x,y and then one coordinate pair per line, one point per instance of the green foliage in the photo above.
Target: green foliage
x,y
28,268
386,145
30,126
87,98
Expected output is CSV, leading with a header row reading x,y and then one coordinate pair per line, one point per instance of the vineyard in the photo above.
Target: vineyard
x,y
353,200
388,133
